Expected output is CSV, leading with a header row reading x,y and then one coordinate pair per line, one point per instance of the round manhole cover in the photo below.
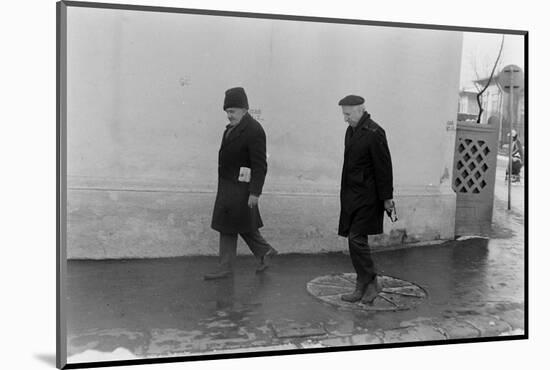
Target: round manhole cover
x,y
396,294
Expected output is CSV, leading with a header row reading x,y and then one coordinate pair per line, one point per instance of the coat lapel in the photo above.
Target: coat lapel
x,y
359,132
236,132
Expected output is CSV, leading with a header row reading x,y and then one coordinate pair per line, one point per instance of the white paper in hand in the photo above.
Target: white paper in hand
x,y
244,174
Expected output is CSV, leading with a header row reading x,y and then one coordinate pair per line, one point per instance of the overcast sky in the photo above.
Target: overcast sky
x,y
480,51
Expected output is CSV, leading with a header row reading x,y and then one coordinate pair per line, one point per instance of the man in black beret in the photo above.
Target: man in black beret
x,y
366,191
242,168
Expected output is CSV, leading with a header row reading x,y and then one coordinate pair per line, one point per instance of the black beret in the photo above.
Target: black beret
x,y
235,98
351,100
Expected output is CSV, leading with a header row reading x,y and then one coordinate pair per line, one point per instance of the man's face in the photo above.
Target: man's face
x,y
234,115
352,114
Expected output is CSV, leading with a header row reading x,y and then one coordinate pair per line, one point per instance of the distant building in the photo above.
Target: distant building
x,y
495,104
468,108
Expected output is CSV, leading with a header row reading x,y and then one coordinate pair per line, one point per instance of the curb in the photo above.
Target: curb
x,y
505,323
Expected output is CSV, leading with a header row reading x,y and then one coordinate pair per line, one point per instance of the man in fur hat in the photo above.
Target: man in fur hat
x,y
242,168
366,192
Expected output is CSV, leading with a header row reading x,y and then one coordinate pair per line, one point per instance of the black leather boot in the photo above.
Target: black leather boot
x,y
373,288
265,259
357,293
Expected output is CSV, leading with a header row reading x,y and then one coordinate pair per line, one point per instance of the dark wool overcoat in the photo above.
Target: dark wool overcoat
x,y
245,146
367,179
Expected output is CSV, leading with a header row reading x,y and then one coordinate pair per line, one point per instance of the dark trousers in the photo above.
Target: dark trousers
x,y
361,258
228,247
516,166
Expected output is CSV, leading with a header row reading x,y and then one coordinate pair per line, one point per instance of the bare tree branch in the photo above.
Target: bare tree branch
x,y
478,97
477,77
473,66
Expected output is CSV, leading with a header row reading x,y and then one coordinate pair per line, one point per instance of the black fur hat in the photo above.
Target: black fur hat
x,y
235,98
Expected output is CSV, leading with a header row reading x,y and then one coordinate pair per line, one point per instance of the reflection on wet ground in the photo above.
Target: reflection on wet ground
x,y
164,307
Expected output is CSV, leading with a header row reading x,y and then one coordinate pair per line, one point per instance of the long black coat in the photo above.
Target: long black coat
x,y
244,147
367,179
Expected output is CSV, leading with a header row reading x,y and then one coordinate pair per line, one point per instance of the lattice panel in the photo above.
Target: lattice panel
x,y
471,167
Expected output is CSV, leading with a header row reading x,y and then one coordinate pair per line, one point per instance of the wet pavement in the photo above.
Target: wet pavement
x,y
123,309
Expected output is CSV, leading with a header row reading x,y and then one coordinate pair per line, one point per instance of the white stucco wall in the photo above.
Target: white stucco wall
x,y
145,118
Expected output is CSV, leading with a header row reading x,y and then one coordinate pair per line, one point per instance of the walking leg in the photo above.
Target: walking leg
x,y
362,263
228,253
261,249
